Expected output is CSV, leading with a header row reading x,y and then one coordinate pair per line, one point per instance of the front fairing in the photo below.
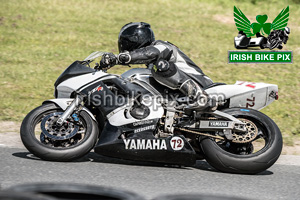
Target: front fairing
x,y
75,69
77,83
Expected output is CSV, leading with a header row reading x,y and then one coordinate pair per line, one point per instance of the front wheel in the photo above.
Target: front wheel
x,y
45,139
253,152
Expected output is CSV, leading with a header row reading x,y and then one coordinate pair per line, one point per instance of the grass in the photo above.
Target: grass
x,y
39,39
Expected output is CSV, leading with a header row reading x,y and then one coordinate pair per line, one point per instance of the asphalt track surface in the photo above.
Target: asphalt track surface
x,y
281,181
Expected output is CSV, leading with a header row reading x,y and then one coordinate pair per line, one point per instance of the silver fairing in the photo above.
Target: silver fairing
x,y
136,71
245,94
119,116
65,89
139,76
240,94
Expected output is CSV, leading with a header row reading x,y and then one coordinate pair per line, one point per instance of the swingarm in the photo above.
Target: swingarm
x,y
224,127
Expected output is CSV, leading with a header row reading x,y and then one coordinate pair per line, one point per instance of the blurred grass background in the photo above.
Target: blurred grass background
x,y
39,39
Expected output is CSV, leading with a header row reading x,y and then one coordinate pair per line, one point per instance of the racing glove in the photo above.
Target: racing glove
x,y
107,61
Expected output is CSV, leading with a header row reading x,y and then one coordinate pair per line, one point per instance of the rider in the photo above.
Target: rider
x,y
282,35
172,68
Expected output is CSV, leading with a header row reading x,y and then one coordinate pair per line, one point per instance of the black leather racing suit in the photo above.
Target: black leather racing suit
x,y
182,72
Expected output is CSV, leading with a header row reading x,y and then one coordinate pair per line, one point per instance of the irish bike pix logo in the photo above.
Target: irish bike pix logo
x,y
255,36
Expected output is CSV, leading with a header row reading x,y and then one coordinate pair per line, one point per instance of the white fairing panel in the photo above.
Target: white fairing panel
x,y
237,40
246,94
121,115
68,86
256,41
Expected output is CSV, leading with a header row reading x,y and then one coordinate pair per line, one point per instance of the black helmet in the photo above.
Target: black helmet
x,y
135,35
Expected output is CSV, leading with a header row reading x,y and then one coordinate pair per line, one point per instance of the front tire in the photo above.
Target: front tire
x,y
60,150
249,163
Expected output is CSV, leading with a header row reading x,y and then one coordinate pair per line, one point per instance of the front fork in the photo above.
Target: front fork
x,y
73,106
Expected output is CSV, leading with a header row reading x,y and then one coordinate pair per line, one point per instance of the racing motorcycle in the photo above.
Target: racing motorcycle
x,y
241,41
131,116
277,38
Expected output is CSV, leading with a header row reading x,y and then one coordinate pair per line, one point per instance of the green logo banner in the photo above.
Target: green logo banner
x,y
260,57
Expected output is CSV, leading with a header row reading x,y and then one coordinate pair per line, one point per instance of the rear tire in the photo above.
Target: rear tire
x,y
251,163
52,153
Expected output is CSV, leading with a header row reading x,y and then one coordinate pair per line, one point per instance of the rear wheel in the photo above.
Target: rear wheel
x,y
44,138
251,152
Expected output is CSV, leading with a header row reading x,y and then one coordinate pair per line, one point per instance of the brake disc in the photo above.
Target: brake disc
x,y
252,131
55,132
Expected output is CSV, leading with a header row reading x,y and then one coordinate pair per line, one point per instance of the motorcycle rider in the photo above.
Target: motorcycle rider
x,y
281,35
137,45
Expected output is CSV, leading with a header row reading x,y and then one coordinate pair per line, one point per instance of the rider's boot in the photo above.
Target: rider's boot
x,y
198,99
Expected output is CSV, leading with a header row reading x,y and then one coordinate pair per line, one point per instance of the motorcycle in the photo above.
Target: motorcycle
x,y
277,38
241,41
131,116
